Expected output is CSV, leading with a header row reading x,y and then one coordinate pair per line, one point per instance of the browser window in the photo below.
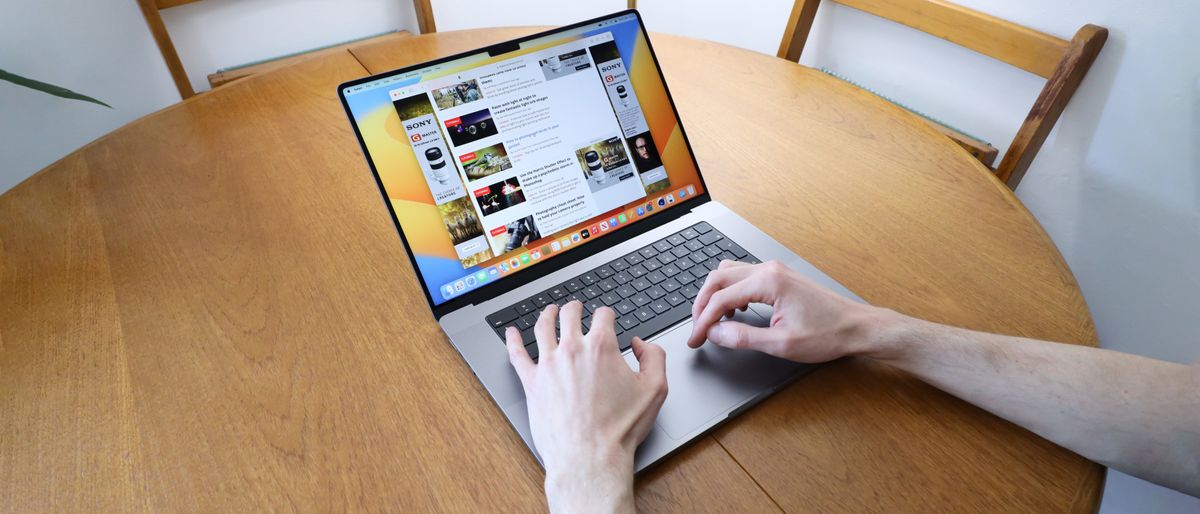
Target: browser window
x,y
524,155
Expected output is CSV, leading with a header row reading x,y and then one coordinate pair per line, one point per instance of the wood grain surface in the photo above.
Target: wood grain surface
x,y
209,310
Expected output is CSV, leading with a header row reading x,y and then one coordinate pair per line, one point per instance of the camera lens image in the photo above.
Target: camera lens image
x,y
437,163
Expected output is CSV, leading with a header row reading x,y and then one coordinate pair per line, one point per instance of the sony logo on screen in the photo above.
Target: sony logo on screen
x,y
412,126
609,67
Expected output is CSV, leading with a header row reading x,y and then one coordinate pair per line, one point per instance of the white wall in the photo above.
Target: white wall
x,y
1117,186
103,49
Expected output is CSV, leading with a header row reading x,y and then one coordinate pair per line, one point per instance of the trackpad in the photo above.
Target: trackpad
x,y
708,382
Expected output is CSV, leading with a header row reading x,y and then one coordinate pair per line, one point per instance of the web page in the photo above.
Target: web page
x,y
529,146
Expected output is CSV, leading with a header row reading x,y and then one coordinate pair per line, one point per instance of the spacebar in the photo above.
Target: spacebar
x,y
656,324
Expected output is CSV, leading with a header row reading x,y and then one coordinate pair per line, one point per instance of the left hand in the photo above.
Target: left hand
x,y
587,410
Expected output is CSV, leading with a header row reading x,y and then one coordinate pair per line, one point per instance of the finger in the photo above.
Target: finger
x,y
652,360
603,326
723,276
738,335
569,324
547,342
517,356
717,280
726,264
733,297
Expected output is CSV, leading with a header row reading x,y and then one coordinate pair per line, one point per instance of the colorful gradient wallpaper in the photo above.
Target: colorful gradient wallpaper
x,y
396,163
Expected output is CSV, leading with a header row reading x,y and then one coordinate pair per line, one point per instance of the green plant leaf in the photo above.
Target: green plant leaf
x,y
49,89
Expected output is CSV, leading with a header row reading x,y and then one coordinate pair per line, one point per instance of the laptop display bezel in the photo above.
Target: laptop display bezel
x,y
560,261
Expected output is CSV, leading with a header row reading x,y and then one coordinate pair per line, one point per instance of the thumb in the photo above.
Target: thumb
x,y
652,359
738,335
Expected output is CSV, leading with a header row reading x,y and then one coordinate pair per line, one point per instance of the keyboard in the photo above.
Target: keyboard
x,y
651,289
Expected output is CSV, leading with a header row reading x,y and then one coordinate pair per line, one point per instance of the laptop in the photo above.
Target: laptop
x,y
554,168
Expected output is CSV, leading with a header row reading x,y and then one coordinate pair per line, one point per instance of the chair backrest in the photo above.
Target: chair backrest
x,y
150,10
1063,63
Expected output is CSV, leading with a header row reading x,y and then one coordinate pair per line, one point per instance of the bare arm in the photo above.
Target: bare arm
x,y
1134,414
1137,415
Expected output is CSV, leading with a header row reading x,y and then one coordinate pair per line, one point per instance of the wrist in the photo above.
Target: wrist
x,y
595,482
881,334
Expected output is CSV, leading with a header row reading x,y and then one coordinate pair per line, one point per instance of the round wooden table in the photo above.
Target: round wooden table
x,y
208,309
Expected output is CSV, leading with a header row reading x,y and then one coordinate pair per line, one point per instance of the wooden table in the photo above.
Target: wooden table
x,y
209,310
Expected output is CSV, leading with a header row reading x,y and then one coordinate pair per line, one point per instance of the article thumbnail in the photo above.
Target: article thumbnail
x,y
461,222
471,127
645,154
485,161
604,163
457,94
516,234
413,107
499,196
562,65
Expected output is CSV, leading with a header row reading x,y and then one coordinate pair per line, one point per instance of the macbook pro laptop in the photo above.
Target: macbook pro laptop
x,y
554,168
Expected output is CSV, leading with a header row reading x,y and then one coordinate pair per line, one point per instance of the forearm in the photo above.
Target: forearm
x,y
1138,415
603,484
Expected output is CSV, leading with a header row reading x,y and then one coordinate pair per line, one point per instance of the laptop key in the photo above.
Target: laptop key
x,y
660,306
557,292
525,307
675,299
502,317
622,277
603,272
588,278
712,251
607,284
640,284
656,264
709,238
526,321
690,291
628,322
655,292
541,300
648,252
669,285
689,233
634,258
592,291
573,285
625,307
636,271
702,227
619,265
663,246
644,313
640,299
656,277
610,299
625,291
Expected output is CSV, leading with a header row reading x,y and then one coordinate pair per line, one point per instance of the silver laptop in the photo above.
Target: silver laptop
x,y
554,168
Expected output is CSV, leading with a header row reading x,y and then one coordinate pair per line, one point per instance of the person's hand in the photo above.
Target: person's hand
x,y
587,410
810,324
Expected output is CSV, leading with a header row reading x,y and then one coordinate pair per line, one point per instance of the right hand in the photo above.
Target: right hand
x,y
811,323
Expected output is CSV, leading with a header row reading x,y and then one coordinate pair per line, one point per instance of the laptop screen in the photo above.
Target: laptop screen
x,y
493,164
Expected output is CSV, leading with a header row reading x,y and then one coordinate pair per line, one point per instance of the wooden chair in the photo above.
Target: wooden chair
x,y
151,11
424,11
1062,63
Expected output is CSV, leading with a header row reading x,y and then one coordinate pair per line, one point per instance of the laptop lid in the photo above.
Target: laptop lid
x,y
506,163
